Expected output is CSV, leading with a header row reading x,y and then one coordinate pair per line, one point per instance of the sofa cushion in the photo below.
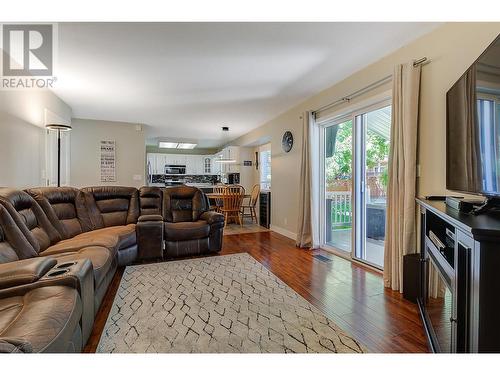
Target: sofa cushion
x,y
183,203
30,218
113,238
15,345
101,258
65,208
111,205
13,243
150,200
45,317
126,235
190,230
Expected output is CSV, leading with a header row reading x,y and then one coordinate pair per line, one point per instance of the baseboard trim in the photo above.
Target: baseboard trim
x,y
284,232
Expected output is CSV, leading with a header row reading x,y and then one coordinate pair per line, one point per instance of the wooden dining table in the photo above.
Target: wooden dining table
x,y
216,196
220,195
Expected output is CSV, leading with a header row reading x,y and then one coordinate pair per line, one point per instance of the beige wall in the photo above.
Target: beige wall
x,y
21,152
247,178
451,49
85,152
23,115
35,107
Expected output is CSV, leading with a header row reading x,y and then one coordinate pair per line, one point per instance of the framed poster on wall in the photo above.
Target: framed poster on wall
x,y
108,161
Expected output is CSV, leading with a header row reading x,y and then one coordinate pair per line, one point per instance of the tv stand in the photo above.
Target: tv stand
x,y
489,204
459,278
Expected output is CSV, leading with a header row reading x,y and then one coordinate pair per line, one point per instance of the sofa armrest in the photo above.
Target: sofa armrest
x,y
15,345
212,217
144,218
77,274
149,239
24,271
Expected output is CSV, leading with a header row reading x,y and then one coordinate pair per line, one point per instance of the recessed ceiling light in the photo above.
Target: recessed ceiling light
x,y
167,144
186,145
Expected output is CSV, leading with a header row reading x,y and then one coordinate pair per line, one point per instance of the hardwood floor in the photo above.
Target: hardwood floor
x,y
248,227
351,295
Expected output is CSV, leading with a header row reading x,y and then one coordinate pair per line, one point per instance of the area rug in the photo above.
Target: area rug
x,y
220,304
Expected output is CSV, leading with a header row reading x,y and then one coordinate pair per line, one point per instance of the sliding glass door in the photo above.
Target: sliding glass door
x,y
372,158
338,185
355,155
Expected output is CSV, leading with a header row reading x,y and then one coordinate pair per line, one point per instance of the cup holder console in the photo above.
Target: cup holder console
x,y
66,264
58,272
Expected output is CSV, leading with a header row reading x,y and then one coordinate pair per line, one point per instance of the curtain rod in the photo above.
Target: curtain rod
x,y
380,82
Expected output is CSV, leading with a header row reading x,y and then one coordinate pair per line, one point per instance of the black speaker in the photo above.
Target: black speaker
x,y
411,277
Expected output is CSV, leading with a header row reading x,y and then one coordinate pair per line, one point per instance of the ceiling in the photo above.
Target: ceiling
x,y
186,80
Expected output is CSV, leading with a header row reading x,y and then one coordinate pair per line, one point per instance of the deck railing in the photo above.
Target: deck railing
x,y
339,204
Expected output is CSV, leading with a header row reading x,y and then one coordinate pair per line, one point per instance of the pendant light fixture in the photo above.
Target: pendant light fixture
x,y
227,160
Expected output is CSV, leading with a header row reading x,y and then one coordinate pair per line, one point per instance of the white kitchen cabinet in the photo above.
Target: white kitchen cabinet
x,y
197,164
190,164
156,162
216,167
151,161
232,152
176,159
161,161
207,165
181,159
167,159
198,161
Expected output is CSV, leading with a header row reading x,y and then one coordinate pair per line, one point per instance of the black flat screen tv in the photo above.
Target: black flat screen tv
x,y
473,127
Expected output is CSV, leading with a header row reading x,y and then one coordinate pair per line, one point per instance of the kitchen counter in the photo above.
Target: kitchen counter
x,y
200,185
205,187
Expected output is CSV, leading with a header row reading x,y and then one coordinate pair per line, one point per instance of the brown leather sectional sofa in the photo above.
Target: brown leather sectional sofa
x,y
60,247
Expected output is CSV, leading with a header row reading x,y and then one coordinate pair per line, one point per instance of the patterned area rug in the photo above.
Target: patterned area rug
x,y
220,304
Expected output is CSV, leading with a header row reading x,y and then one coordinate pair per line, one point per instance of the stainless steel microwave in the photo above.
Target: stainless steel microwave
x,y
175,169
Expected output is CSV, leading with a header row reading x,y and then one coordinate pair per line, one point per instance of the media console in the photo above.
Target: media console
x,y
459,294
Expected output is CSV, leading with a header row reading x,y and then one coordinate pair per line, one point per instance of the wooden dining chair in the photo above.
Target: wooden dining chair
x,y
231,206
250,206
236,189
218,189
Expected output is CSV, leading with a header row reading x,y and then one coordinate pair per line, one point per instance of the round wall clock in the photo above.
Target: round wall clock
x,y
287,141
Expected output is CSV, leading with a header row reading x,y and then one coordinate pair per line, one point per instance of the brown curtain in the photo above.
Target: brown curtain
x,y
304,227
400,228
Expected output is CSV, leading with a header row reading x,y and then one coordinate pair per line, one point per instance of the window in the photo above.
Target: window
x,y
265,166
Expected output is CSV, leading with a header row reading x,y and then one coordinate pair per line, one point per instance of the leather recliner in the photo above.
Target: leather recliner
x,y
190,228
44,318
40,313
45,240
115,209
